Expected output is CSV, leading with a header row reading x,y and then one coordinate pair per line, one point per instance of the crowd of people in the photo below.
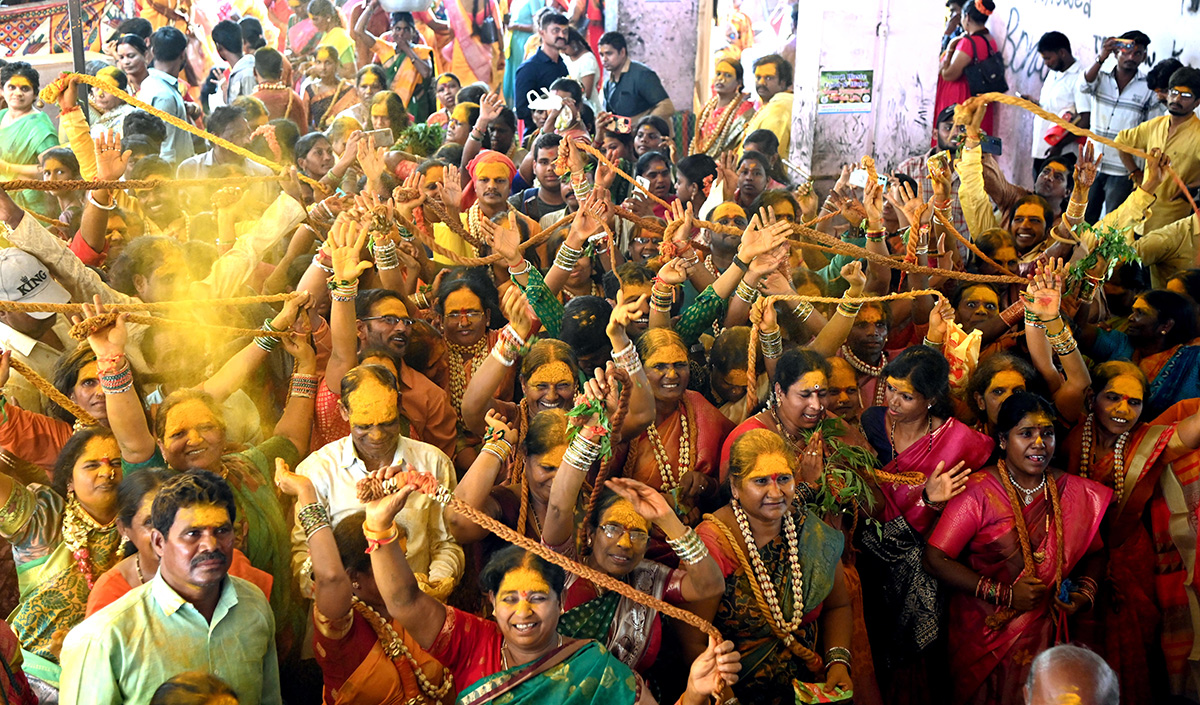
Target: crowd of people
x,y
491,271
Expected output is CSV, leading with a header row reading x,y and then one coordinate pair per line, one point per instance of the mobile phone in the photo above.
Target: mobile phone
x,y
622,125
991,145
858,178
643,181
381,138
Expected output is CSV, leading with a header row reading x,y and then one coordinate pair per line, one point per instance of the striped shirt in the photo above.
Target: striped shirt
x,y
1114,110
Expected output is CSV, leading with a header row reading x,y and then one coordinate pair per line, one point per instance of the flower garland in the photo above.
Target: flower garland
x,y
457,355
267,132
77,526
719,133
394,647
1086,461
790,533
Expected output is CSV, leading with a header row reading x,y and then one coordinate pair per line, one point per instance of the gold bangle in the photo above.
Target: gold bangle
x,y
384,536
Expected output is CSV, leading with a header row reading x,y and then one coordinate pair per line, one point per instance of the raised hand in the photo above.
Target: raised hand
x,y
622,316
758,239
675,271
506,239
370,160
451,187
851,209
105,342
873,202
294,485
490,106
517,311
110,160
944,486
1155,171
499,425
854,275
941,314
405,208
646,501
346,241
913,204
1043,295
381,513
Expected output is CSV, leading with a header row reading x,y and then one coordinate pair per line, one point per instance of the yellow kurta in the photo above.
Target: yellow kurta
x,y
1183,146
775,116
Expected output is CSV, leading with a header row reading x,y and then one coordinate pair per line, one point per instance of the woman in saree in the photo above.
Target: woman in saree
x,y
139,562
519,658
366,657
680,453
914,436
723,119
783,578
1022,537
617,529
63,537
25,132
369,81
472,55
328,94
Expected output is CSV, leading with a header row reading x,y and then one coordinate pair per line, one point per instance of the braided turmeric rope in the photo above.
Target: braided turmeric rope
x,y
24,307
43,385
985,98
617,422
442,496
97,184
949,226
752,352
45,218
50,93
812,660
83,329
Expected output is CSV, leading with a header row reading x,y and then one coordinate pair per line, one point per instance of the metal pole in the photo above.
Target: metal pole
x,y
75,18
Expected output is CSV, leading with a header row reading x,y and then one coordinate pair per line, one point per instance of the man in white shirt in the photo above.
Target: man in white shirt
x,y
1061,96
370,402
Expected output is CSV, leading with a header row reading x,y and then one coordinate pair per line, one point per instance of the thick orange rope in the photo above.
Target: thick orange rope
x,y
69,309
43,385
96,184
50,93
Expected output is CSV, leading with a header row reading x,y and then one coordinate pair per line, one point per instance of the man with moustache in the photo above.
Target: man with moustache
x,y
1177,134
545,66
843,398
191,616
773,82
490,175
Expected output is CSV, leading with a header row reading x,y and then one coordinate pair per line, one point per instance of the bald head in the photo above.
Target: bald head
x,y
1071,675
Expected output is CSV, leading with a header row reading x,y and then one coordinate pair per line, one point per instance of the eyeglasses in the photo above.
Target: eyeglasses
x,y
392,321
469,315
646,240
663,368
1180,94
636,536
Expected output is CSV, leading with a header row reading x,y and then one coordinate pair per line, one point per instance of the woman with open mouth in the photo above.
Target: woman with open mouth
x,y
64,537
521,657
1114,444
785,605
1021,552
616,532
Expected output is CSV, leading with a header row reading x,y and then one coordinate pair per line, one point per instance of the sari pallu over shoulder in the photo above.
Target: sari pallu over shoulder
x,y
989,655
578,673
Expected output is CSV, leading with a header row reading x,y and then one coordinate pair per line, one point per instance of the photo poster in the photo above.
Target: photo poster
x,y
844,92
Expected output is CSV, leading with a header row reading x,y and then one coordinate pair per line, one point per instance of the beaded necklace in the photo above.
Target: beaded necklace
x,y
1032,558
272,86
77,525
1086,461
723,124
671,478
394,647
875,371
457,355
763,577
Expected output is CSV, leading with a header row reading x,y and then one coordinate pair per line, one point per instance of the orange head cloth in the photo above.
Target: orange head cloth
x,y
485,156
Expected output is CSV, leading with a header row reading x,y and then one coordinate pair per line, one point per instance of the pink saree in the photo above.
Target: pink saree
x,y
978,528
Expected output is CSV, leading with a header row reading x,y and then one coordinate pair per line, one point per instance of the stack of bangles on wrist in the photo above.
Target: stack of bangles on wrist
x,y
522,268
1032,319
580,185
313,517
316,260
421,300
838,654
772,344
627,359
1087,588
848,310
116,376
303,385
1075,210
1013,313
935,344
268,342
495,443
997,593
746,293
375,539
690,549
803,310
508,346
385,256
583,451
662,296
343,290
567,257
112,205
1063,341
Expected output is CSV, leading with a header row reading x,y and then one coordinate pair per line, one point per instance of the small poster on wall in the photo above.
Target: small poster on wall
x,y
842,92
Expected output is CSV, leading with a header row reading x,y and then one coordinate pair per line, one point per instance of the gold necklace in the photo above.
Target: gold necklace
x,y
504,651
871,370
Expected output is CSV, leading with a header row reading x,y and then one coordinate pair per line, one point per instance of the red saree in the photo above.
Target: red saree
x,y
1123,626
990,665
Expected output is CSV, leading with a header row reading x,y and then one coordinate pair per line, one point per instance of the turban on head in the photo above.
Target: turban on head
x,y
485,156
